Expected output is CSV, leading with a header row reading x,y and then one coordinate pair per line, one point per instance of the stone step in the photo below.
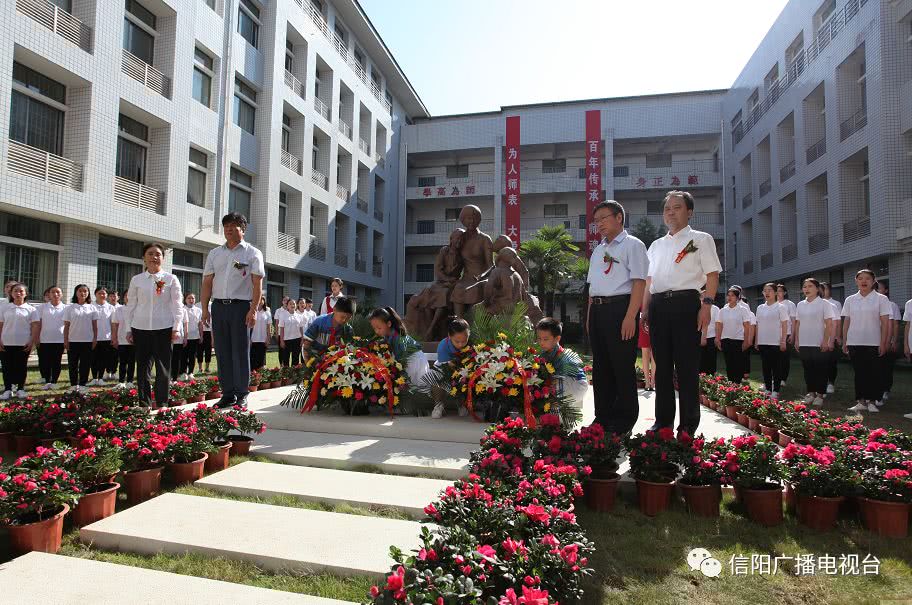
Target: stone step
x,y
442,460
277,538
408,494
43,578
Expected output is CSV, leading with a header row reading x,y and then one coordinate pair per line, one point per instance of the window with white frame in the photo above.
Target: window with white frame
x,y
305,286
132,149
289,55
359,58
249,22
197,177
312,226
203,66
245,98
283,212
286,132
187,266
240,192
139,31
865,191
34,267
37,110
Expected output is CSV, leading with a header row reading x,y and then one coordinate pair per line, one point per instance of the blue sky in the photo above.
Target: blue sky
x,y
465,56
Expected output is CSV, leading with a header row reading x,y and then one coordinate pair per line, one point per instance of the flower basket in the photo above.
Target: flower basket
x,y
253,388
142,484
96,503
44,535
731,412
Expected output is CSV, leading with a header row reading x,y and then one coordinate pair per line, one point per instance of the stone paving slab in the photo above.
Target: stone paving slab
x,y
442,460
408,494
277,538
41,578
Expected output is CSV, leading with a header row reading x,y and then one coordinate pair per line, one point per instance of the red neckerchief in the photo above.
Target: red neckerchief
x,y
332,335
329,305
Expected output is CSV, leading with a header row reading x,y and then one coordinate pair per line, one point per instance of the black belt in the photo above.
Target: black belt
x,y
676,294
230,301
607,300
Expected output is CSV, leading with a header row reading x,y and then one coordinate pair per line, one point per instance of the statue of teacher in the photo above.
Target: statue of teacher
x,y
477,254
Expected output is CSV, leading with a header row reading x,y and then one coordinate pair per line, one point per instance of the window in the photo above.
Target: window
x,y
13,225
458,171
866,191
424,226
286,132
340,31
39,83
655,206
555,210
137,39
283,212
427,181
359,57
305,286
753,100
554,166
312,225
35,268
66,5
289,55
191,283
202,77
197,176
118,246
249,22
187,258
210,3
389,98
375,78
621,172
240,192
424,272
658,160
452,214
32,121
132,146
116,275
244,106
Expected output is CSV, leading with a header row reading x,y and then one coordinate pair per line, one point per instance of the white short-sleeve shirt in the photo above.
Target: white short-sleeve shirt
x,y
121,317
713,318
627,260
80,318
733,320
769,323
103,313
233,270
280,314
261,326
293,323
688,274
51,318
17,324
811,316
181,326
864,313
897,314
792,313
907,317
194,314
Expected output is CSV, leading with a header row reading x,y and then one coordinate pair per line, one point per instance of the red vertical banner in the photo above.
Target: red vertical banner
x,y
511,180
594,189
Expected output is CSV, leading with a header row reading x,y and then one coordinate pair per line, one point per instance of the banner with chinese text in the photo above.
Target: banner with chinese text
x,y
511,180
594,189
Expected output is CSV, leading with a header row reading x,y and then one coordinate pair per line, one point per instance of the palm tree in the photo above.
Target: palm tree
x,y
550,256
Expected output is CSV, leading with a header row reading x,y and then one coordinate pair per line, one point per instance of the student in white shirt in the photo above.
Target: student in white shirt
x,y
865,333
772,336
114,300
708,352
204,350
290,333
279,314
155,302
259,336
179,346
732,330
786,357
120,334
907,340
814,339
335,293
47,332
80,329
305,309
194,319
16,342
894,348
104,349
826,292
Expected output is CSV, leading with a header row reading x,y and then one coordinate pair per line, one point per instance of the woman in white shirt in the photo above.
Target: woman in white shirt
x,y
104,349
259,337
708,352
772,336
120,334
786,357
47,331
732,327
155,302
865,334
894,347
179,346
16,342
80,328
335,289
826,292
814,339
204,351
307,313
290,333
279,316
194,331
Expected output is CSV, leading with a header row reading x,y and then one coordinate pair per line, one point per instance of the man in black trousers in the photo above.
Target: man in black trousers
x,y
233,280
617,280
680,263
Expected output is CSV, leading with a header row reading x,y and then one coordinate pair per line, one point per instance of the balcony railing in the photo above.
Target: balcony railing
x,y
787,172
287,242
381,161
818,242
318,178
58,21
748,266
747,200
359,69
364,146
766,260
362,205
292,162
765,187
857,229
789,252
316,249
361,265
321,107
294,84
341,259
341,192
339,45
388,106
131,193
375,90
378,269
853,124
437,233
345,128
816,150
145,74
318,20
39,164
378,215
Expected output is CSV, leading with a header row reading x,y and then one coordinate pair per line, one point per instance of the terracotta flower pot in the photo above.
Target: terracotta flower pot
x,y
712,404
142,484
276,384
764,506
97,503
6,442
176,402
24,444
818,512
50,441
41,536
213,395
702,500
252,388
654,497
770,431
197,399
240,445
600,493
890,519
218,460
742,419
187,472
753,424
784,439
790,498
731,411
286,382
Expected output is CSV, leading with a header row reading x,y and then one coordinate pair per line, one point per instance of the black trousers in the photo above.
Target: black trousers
x,y
868,366
613,367
708,357
153,347
676,348
113,359
887,365
15,367
785,361
177,359
734,359
258,355
833,365
816,367
771,358
79,360
284,354
747,362
101,361
204,351
232,347
49,356
127,358
292,353
190,355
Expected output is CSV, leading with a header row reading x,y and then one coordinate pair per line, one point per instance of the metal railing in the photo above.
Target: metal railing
x,y
321,107
816,150
316,249
747,200
339,44
766,260
789,252
345,128
765,187
58,21
378,215
341,192
341,259
294,84
818,242
287,242
39,164
855,123
364,146
787,172
375,90
318,20
131,193
378,269
145,74
361,265
318,178
857,229
362,205
387,106
292,162
359,69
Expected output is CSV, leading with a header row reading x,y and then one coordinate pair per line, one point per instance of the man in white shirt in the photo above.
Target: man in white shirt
x,y
233,280
680,263
617,279
786,358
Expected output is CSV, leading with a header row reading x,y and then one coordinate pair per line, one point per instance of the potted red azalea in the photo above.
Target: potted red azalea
x,y
886,487
35,494
600,451
820,478
215,425
188,449
211,388
95,468
144,450
704,469
758,476
652,464
246,423
255,381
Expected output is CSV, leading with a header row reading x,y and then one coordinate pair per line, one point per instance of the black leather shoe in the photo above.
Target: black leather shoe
x,y
656,427
224,403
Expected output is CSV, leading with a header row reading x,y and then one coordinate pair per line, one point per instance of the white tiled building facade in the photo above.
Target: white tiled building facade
x,y
128,121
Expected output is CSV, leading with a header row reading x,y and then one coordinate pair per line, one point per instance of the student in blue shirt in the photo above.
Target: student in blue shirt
x,y
330,329
457,339
389,326
569,377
